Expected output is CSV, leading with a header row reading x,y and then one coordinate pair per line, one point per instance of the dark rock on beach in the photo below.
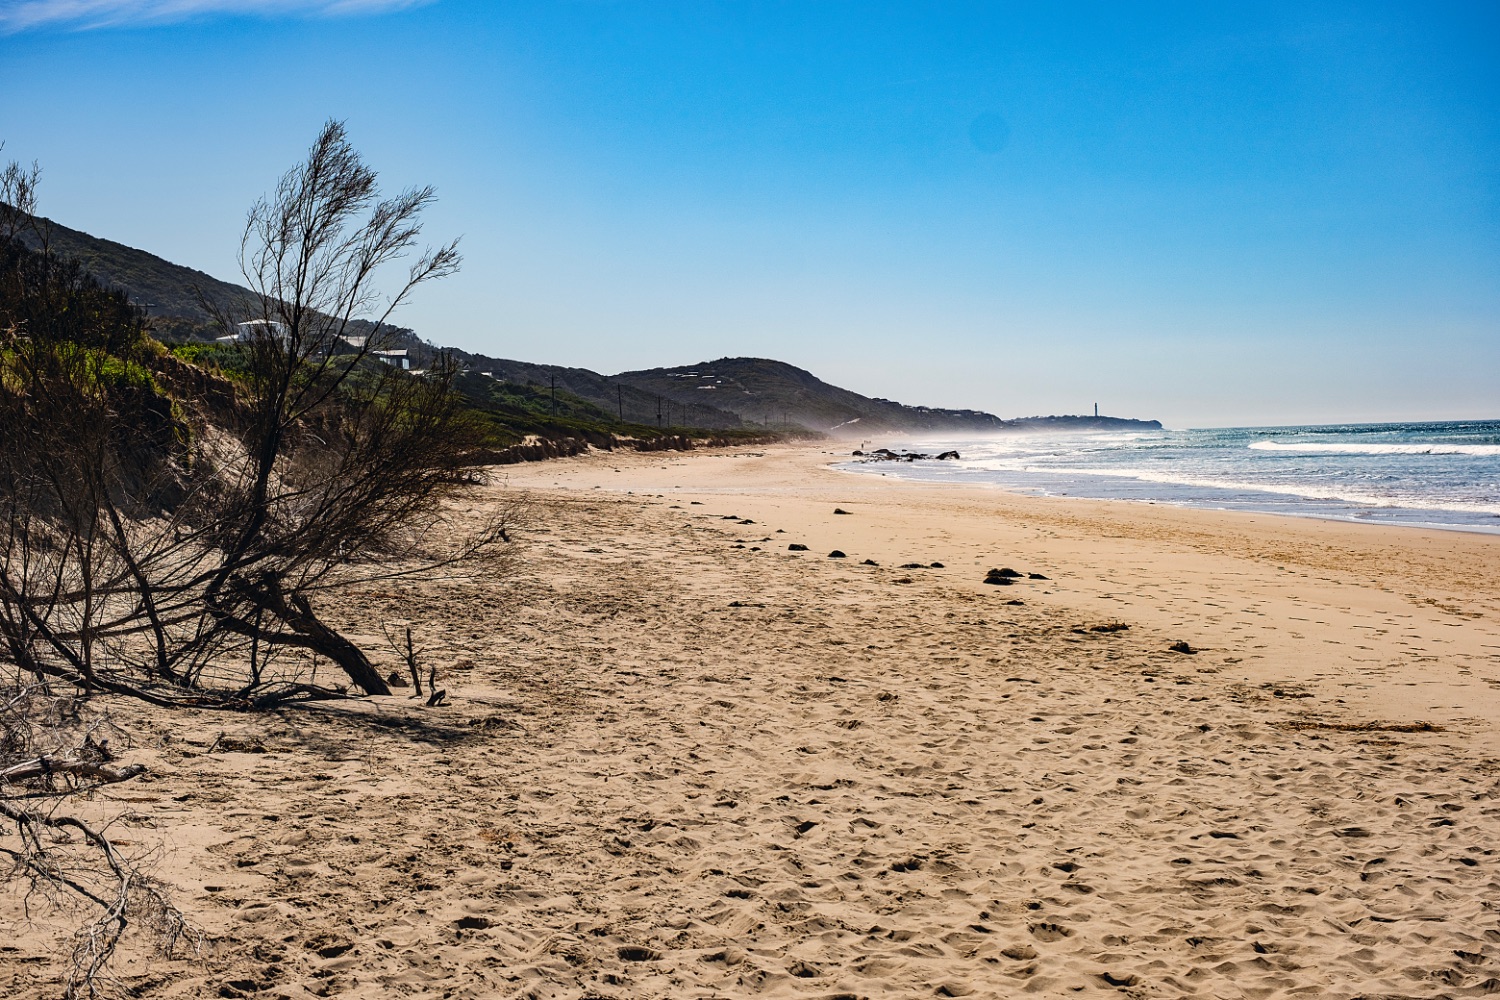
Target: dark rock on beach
x,y
1002,577
836,554
796,547
886,455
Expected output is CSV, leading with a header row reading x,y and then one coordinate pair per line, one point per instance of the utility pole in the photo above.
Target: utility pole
x,y
658,411
554,395
620,401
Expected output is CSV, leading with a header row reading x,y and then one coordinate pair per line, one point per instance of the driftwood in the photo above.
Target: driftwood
x,y
52,764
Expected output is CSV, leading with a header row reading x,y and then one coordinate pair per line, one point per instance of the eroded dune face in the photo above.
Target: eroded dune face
x,y
681,760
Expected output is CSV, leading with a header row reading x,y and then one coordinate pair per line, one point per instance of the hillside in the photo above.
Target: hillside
x,y
178,299
776,394
615,398
164,289
724,395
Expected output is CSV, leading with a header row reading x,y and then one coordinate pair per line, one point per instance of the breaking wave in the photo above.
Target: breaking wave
x,y
1432,474
1321,448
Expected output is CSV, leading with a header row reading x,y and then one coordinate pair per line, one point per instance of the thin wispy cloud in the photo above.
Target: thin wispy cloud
x,y
24,15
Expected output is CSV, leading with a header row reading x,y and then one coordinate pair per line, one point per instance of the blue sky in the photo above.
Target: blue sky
x,y
1272,214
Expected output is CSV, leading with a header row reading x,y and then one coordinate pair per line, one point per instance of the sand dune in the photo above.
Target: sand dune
x,y
683,761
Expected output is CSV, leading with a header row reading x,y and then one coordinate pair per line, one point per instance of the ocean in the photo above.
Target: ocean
x,y
1433,475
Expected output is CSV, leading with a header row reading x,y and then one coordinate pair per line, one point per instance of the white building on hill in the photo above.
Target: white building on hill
x,y
256,328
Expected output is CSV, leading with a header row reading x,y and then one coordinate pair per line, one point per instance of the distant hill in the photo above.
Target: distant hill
x,y
728,394
774,393
615,397
756,393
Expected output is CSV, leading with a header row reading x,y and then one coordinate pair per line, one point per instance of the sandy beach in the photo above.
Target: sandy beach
x,y
681,760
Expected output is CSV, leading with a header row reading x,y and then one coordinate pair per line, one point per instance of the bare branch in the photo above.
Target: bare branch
x,y
50,764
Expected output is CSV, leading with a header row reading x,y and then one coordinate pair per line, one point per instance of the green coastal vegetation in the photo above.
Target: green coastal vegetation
x,y
513,412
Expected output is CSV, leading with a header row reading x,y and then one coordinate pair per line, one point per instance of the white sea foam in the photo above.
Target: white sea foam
x,y
1331,448
1445,474
1304,490
1292,491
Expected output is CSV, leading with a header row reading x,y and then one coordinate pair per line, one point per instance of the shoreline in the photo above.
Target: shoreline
x,y
1181,505
1247,506
1438,474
